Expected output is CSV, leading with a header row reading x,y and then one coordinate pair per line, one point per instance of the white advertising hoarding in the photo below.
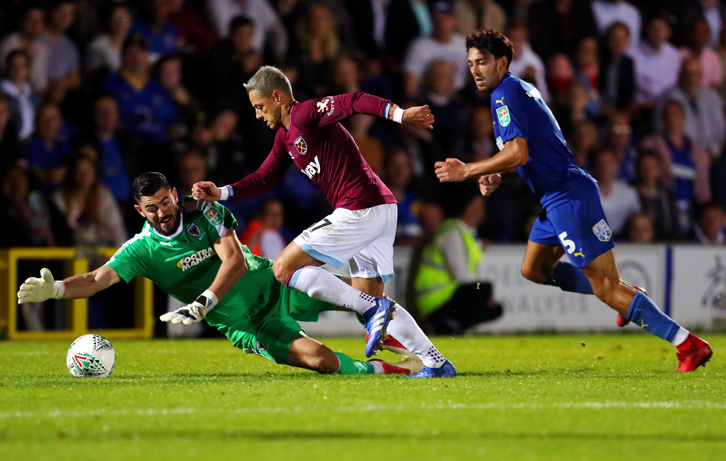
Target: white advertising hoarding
x,y
699,286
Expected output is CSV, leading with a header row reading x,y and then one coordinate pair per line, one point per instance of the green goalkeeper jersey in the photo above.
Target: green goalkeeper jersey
x,y
185,264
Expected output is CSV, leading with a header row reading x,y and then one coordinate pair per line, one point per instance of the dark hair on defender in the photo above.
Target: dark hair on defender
x,y
491,42
148,184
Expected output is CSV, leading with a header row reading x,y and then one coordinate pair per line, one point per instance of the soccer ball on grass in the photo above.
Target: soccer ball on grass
x,y
91,356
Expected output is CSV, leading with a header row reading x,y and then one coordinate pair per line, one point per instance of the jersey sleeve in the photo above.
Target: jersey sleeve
x,y
510,118
131,259
333,109
217,219
266,176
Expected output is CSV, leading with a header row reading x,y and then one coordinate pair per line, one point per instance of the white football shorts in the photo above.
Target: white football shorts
x,y
364,238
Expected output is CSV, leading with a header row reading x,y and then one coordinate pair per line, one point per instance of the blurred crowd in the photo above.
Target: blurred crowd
x,y
94,92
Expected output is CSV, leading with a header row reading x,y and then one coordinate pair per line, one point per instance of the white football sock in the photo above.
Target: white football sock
x,y
322,285
680,337
405,329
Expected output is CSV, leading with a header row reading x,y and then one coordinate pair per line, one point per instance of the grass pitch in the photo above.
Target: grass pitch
x,y
516,397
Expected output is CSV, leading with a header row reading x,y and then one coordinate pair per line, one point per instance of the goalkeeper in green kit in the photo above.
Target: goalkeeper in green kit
x,y
190,249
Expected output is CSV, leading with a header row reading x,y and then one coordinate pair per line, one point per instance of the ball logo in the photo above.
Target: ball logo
x,y
213,217
301,146
503,116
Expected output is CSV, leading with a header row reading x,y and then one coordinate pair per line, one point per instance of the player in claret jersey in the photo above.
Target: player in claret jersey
x,y
360,230
191,251
572,220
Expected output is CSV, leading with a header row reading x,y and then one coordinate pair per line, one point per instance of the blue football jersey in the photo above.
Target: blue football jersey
x,y
551,172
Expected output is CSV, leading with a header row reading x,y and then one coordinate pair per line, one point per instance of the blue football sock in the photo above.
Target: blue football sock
x,y
644,313
570,278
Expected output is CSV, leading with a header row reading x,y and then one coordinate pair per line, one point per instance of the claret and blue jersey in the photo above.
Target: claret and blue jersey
x,y
551,172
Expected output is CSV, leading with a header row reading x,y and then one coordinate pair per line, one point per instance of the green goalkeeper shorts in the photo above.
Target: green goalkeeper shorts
x,y
267,330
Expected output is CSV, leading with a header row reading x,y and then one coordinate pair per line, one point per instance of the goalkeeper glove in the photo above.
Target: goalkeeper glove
x,y
194,312
36,290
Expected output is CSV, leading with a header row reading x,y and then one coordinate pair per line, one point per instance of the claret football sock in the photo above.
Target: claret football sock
x,y
322,285
570,278
644,313
405,329
349,366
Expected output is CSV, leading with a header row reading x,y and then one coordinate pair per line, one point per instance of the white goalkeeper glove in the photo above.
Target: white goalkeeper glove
x,y
194,312
36,290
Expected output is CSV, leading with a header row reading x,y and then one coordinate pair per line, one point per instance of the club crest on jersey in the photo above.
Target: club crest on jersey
x,y
602,231
194,230
213,217
301,146
503,116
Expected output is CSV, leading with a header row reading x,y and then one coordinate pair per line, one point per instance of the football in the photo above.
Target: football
x,y
91,356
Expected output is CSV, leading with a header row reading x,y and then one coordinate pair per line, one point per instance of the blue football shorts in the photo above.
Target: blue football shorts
x,y
578,225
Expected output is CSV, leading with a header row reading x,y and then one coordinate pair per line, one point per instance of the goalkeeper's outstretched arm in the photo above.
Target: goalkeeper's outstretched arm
x,y
39,289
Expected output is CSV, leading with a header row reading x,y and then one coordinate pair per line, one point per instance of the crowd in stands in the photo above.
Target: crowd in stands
x,y
93,92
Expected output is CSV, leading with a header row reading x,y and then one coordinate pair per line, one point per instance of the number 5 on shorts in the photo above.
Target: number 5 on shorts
x,y
568,244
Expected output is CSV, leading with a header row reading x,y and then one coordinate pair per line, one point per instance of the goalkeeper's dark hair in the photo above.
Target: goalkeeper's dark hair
x,y
491,42
148,184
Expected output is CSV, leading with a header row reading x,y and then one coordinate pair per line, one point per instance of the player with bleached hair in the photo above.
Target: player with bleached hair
x,y
362,227
572,220
190,249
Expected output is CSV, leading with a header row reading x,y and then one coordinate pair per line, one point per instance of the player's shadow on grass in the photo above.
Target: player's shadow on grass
x,y
527,372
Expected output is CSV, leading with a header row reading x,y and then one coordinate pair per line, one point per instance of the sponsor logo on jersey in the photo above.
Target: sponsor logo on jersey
x,y
313,168
503,116
602,231
193,259
194,230
301,146
499,101
322,105
213,217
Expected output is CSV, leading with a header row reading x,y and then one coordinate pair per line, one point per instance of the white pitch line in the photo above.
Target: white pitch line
x,y
370,408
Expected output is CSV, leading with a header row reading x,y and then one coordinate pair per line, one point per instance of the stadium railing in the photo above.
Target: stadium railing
x,y
76,312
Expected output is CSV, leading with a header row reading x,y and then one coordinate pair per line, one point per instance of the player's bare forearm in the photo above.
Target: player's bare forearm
x,y
233,264
514,154
90,283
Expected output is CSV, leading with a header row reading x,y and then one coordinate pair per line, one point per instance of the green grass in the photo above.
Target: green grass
x,y
516,397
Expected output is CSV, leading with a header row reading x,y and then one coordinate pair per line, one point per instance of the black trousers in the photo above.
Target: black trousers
x,y
471,304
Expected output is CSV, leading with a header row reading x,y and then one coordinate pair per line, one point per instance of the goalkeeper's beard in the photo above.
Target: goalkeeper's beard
x,y
172,220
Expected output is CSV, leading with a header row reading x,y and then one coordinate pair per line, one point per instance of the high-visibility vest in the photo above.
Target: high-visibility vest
x,y
435,284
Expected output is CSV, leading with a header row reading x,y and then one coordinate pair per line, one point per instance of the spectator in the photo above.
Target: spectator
x,y
11,152
117,149
619,140
25,213
712,10
318,44
583,142
263,235
162,36
398,179
103,54
191,168
479,139
27,38
445,44
64,61
607,12
685,162
473,15
574,107
619,199
656,200
88,206
697,47
146,108
368,29
360,126
710,225
197,36
233,61
22,98
582,68
656,62
168,72
617,73
223,151
554,25
439,93
450,295
407,20
639,229
48,149
269,30
525,63
704,109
